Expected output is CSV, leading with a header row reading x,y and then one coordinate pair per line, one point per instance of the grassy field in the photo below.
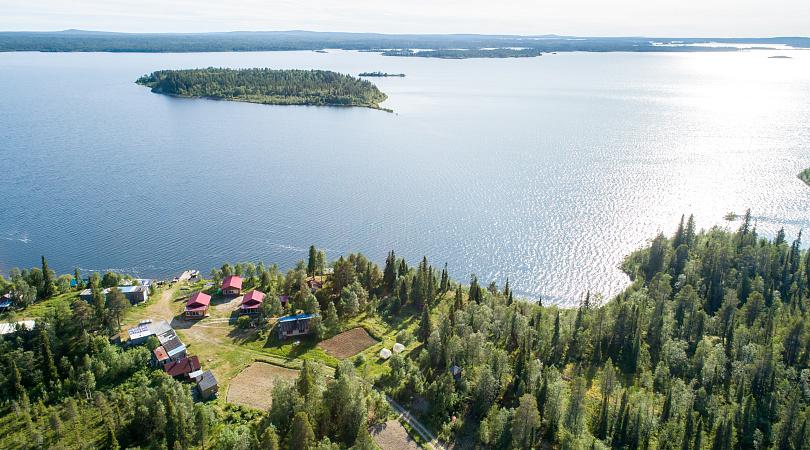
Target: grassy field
x,y
253,386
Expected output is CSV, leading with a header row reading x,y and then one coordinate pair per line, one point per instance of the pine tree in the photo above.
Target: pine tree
x,y
79,281
690,231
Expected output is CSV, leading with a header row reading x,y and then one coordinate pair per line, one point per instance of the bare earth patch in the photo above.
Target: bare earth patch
x,y
348,344
253,386
392,435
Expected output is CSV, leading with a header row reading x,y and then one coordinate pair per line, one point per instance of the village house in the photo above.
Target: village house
x,y
5,302
197,306
135,294
284,299
207,386
232,286
160,357
182,367
251,302
87,294
314,285
171,343
294,326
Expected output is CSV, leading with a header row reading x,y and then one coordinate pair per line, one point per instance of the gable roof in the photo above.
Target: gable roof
x,y
198,301
252,299
208,381
181,366
232,281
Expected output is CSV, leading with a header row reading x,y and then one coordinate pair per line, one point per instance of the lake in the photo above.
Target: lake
x,y
545,170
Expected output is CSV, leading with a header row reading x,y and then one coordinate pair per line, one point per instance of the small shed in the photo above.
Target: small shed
x,y
196,376
455,371
385,353
207,386
399,348
232,286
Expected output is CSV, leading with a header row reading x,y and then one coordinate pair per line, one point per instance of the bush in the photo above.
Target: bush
x,y
244,321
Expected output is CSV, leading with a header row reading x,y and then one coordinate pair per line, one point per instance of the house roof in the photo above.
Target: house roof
x,y
6,328
196,373
181,366
314,284
198,301
252,299
298,317
160,354
232,281
208,381
284,298
131,289
139,332
160,327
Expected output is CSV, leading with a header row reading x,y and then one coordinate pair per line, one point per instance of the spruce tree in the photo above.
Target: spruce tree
x,y
425,325
312,263
49,289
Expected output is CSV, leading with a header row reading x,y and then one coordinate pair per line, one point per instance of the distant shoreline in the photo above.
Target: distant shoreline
x,y
444,46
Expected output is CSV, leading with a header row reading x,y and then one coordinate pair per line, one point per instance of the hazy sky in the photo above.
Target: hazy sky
x,y
683,18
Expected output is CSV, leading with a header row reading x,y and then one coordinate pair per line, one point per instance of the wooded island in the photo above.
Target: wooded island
x,y
805,176
267,86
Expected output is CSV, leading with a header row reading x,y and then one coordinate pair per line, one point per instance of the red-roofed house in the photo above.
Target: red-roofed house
x,y
232,286
182,367
160,356
314,285
284,299
251,302
197,306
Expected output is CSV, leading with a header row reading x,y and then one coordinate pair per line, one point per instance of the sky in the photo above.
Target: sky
x,y
683,18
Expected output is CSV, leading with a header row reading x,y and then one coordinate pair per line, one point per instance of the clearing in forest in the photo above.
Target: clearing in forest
x,y
348,344
253,387
392,435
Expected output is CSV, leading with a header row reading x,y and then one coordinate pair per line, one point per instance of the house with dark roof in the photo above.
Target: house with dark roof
x,y
284,299
87,294
135,294
182,367
251,302
232,286
207,386
314,285
171,343
197,306
294,325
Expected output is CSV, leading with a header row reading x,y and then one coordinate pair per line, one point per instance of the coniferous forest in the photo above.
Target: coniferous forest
x,y
708,348
273,87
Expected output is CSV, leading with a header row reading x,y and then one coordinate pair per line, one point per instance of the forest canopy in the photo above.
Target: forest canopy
x,y
267,86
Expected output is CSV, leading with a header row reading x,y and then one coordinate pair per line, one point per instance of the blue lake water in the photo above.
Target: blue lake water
x,y
547,170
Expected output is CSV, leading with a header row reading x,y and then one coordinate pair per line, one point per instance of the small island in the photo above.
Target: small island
x,y
381,74
468,53
267,86
780,57
805,176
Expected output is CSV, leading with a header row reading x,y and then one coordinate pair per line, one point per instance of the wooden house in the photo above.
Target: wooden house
x,y
197,306
232,286
182,367
135,294
294,326
251,302
160,357
207,386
